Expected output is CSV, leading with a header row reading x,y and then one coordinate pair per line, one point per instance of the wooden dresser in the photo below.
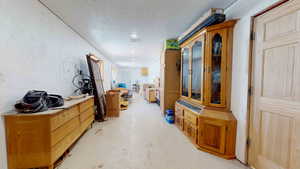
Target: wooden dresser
x,y
40,139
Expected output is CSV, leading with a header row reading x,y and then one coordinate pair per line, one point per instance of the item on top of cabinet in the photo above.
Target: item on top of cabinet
x,y
172,44
211,17
76,97
54,100
83,83
209,13
37,101
34,101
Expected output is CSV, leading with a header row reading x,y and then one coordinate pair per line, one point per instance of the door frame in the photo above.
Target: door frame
x,y
251,74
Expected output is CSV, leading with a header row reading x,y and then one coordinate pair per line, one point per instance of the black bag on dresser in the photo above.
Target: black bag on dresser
x,y
37,101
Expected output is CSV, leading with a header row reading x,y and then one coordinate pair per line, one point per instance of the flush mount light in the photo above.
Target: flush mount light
x,y
133,35
133,51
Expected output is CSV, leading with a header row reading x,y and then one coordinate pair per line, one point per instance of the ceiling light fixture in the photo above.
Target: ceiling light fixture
x,y
134,36
133,51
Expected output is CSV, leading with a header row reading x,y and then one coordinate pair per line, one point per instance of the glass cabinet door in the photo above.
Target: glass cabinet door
x,y
197,70
185,72
217,69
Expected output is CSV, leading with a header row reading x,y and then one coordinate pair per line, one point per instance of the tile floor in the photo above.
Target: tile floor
x,y
140,139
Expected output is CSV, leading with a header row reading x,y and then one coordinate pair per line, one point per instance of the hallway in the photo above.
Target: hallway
x,y
140,139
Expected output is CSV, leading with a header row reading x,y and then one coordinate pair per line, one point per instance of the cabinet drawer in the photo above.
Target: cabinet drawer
x,y
61,132
179,122
86,114
86,123
64,116
63,145
190,116
191,131
179,111
85,105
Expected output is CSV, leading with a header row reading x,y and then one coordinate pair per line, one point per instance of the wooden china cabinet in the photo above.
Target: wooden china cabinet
x,y
203,110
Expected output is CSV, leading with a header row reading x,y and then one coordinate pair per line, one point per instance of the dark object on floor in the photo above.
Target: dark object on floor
x,y
37,101
170,116
212,20
99,93
157,101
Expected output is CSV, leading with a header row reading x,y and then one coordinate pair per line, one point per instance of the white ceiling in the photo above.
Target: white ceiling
x,y
108,24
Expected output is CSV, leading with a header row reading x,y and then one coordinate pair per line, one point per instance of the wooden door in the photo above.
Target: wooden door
x,y
275,114
216,63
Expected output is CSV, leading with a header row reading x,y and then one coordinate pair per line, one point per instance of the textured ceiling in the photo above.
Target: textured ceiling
x,y
108,24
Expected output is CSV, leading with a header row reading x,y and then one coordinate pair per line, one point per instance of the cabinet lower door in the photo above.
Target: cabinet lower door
x,y
179,122
191,131
212,135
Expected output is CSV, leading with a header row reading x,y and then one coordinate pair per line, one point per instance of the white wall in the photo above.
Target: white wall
x,y
133,75
37,52
154,71
243,9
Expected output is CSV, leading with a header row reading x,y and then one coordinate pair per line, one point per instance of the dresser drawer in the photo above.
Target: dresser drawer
x,y
63,145
63,117
190,116
86,114
61,132
86,105
84,125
